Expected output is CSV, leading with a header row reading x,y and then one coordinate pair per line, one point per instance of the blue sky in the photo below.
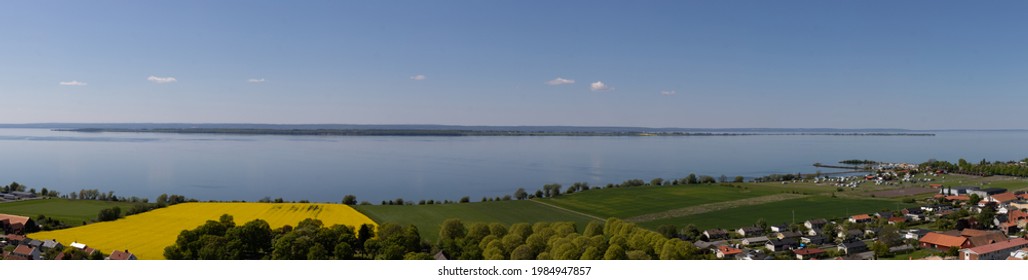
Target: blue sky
x,y
843,64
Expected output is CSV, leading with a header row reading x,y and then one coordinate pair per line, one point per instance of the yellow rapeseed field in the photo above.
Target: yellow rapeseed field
x,y
146,234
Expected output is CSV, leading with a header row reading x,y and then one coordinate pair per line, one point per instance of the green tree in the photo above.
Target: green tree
x,y
520,194
880,248
692,179
738,179
615,252
350,199
657,181
522,252
667,231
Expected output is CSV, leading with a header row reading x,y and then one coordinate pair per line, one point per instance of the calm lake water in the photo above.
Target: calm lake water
x,y
234,167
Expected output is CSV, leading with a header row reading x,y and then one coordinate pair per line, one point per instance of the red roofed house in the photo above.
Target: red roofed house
x,y
15,224
862,218
121,256
896,220
726,251
1016,220
14,239
943,242
994,251
24,251
962,197
1003,197
808,253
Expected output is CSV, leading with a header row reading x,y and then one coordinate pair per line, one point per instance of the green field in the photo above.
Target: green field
x,y
71,212
706,206
630,202
428,218
782,211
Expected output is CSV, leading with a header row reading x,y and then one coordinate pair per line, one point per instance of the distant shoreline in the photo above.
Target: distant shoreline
x,y
437,132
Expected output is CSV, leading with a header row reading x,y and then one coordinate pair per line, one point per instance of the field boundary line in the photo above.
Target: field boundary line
x,y
709,207
568,210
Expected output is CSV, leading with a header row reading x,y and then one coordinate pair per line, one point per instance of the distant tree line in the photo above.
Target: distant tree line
x,y
984,167
858,161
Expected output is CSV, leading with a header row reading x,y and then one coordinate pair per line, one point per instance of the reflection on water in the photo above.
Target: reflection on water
x,y
324,168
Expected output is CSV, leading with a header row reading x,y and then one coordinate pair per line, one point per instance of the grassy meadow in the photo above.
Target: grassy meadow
x,y
147,234
782,211
71,212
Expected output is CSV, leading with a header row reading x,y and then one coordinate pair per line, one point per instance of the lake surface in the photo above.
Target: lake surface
x,y
316,168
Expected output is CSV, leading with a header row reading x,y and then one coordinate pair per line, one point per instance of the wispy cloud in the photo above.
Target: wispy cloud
x,y
72,83
161,80
599,86
418,77
560,81
255,81
667,92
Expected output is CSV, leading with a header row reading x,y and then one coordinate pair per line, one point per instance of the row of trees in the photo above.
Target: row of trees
x,y
611,240
555,190
309,240
16,187
983,167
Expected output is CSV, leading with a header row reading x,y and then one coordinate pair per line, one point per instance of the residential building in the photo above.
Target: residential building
x,y
994,251
941,241
808,253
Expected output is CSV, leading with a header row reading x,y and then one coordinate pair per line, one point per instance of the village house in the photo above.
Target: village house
x,y
913,213
812,232
808,253
987,238
1020,255
704,245
750,231
121,256
901,249
16,224
780,227
715,234
725,251
788,235
915,233
862,218
897,220
883,215
815,240
995,251
52,244
815,223
986,193
868,255
852,247
752,241
851,234
781,245
26,252
14,239
1003,198
1019,204
941,241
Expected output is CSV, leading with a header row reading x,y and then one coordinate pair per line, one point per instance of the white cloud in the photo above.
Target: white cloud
x,y
667,92
599,86
418,77
72,83
560,81
255,81
161,80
